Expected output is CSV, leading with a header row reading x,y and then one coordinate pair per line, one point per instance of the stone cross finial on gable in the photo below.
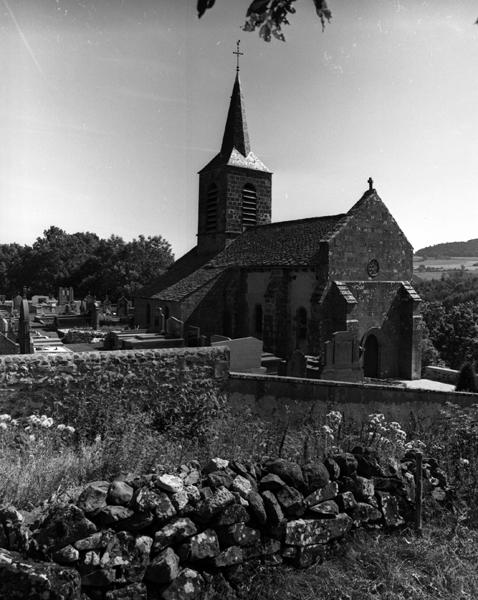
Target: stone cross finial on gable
x,y
370,184
238,53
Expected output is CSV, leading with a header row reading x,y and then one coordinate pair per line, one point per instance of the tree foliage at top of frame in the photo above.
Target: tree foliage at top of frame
x,y
269,16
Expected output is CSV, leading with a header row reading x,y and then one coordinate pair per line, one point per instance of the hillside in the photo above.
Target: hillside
x,y
469,248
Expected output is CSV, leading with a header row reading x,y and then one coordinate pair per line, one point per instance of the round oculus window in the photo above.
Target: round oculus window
x,y
373,268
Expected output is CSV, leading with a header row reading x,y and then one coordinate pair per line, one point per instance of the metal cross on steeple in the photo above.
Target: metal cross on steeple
x,y
370,184
238,53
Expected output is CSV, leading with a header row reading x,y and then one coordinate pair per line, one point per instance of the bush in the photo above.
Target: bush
x,y
466,379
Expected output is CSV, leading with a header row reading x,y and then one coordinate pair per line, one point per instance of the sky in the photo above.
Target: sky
x,y
109,108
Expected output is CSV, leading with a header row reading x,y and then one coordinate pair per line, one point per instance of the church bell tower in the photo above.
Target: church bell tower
x,y
235,186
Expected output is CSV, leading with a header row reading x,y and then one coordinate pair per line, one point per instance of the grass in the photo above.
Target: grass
x,y
442,564
116,435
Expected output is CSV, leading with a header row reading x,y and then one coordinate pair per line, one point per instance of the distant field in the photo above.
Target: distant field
x,y
433,268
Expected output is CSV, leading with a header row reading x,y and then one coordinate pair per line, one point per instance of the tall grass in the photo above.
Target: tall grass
x,y
120,432
440,565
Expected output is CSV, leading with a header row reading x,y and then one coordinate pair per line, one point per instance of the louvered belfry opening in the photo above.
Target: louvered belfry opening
x,y
211,209
249,206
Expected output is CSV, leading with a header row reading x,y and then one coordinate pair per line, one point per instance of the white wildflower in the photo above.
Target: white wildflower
x,y
61,427
334,417
46,422
5,417
3,425
70,429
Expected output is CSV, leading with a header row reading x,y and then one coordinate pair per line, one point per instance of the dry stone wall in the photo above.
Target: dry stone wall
x,y
201,533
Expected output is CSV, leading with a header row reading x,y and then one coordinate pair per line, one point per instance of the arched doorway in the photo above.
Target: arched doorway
x,y
371,357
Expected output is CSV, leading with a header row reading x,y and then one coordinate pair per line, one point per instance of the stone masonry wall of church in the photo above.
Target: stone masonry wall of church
x,y
370,233
376,302
223,309
277,315
231,182
236,180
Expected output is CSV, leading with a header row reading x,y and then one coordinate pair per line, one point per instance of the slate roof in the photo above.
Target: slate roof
x,y
236,148
236,134
202,278
182,268
284,244
236,159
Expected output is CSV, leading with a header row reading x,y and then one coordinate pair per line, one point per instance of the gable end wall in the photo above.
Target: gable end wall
x,y
370,232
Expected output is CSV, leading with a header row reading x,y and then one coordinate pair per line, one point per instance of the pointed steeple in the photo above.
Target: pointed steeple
x,y
235,133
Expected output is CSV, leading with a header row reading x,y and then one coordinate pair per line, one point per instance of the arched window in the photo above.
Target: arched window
x,y
301,323
211,208
258,319
249,206
166,312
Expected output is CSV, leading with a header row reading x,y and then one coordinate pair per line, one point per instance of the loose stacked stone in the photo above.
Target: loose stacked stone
x,y
175,536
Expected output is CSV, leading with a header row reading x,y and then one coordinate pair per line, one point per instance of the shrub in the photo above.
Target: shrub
x,y
466,381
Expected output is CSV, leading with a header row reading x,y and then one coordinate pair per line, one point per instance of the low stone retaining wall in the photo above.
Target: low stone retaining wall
x,y
38,382
177,536
441,374
295,401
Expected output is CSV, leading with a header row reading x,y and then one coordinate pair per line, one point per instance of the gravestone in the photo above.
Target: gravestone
x,y
282,368
193,336
162,318
219,338
107,305
342,358
92,314
245,354
24,339
3,326
122,307
297,365
174,327
17,301
65,295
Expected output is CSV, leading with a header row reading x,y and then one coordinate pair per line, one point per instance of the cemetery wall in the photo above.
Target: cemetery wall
x,y
295,400
32,382
442,374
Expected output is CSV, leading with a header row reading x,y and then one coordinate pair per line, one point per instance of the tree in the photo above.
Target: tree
x,y
453,331
120,267
10,266
83,261
269,16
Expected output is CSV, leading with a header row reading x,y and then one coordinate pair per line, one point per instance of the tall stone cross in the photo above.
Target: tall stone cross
x,y
238,53
370,184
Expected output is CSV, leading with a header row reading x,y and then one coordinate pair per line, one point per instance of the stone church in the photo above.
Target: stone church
x,y
336,287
